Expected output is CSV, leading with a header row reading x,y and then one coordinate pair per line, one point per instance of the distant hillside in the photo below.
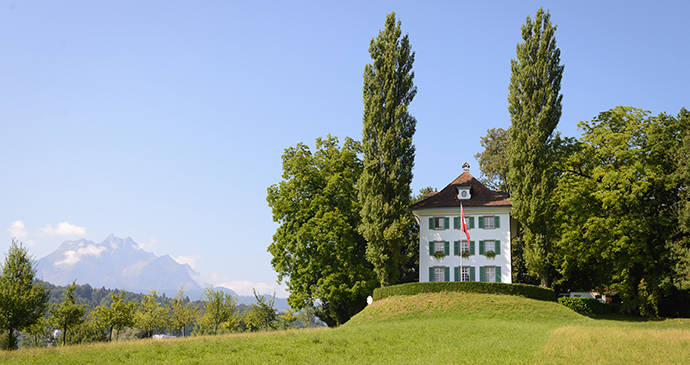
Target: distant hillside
x,y
117,263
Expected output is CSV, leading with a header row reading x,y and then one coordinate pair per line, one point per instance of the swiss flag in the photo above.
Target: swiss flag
x,y
463,225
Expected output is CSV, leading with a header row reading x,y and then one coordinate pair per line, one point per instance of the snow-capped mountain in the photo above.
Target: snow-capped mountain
x,y
117,263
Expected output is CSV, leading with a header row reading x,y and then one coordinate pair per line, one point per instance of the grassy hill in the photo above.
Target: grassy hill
x,y
426,328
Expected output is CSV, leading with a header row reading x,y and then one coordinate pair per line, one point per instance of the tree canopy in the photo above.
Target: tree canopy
x,y
493,161
388,128
317,249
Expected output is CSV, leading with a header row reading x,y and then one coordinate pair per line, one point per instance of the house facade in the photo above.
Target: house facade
x,y
442,242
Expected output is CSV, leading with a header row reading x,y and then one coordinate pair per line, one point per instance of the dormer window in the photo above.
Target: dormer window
x,y
464,193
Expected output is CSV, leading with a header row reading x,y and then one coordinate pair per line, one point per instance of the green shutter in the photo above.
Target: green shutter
x,y
446,248
481,273
431,223
456,248
498,274
481,222
471,248
431,273
472,273
471,222
446,223
431,249
481,247
456,222
497,222
498,247
446,273
457,273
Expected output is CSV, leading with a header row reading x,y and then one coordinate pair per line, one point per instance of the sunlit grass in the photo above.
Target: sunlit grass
x,y
429,328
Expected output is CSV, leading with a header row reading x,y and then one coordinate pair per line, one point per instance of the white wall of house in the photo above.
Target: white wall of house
x,y
428,237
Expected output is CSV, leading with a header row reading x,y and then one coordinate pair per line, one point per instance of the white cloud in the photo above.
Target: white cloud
x,y
63,229
191,260
17,230
147,246
72,257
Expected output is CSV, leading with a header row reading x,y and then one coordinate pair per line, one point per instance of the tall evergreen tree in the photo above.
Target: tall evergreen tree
x,y
23,300
384,188
535,107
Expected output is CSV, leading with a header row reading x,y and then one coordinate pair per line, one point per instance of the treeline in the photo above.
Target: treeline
x,y
39,314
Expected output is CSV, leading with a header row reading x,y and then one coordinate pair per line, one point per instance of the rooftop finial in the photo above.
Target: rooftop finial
x,y
466,167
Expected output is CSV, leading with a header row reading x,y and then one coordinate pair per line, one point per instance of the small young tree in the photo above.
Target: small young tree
x,y
152,315
182,313
118,315
263,314
219,309
23,300
68,314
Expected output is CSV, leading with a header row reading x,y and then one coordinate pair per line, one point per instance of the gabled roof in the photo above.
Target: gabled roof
x,y
448,197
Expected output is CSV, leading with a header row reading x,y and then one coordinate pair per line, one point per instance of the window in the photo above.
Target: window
x,y
439,246
469,221
490,274
489,246
465,273
438,274
460,246
489,222
439,222
465,246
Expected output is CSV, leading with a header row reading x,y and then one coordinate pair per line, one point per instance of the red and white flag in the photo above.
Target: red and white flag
x,y
463,225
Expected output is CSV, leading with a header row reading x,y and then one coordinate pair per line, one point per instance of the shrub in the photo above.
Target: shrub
x,y
527,291
587,305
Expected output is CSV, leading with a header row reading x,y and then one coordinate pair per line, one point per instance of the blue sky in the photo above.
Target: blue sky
x,y
165,121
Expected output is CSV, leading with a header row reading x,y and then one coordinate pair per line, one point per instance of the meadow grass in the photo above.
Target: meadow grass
x,y
441,328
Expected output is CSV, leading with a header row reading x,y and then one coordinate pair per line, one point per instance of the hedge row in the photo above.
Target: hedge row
x,y
588,305
528,291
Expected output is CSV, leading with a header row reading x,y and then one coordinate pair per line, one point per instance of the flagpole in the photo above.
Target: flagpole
x,y
462,249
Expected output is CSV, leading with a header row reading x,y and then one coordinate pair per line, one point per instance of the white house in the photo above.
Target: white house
x,y
487,215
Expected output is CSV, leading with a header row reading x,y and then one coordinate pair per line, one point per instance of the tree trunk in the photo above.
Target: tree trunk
x,y
64,335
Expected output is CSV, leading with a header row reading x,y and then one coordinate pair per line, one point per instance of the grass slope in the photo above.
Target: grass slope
x,y
427,328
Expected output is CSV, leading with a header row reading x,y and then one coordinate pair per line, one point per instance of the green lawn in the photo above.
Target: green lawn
x,y
427,328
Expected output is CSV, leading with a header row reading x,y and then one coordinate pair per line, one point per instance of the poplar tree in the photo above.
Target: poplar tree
x,y
535,107
384,187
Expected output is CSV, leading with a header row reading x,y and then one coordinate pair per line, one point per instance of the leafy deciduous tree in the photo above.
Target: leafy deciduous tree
x,y
151,315
263,313
118,315
493,162
23,300
182,313
219,309
615,207
317,249
384,188
535,107
68,314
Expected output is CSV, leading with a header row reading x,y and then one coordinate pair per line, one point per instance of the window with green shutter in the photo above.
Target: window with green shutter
x,y
456,222
446,248
432,248
446,223
456,273
456,248
481,247
431,223
481,222
498,274
497,222
471,248
431,273
471,225
498,247
481,273
472,273
446,273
